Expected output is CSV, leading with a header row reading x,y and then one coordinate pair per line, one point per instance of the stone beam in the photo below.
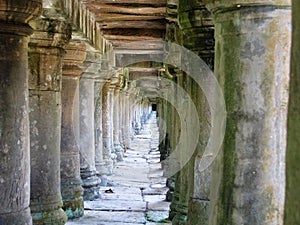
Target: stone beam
x,y
99,9
134,45
136,73
125,58
129,24
137,2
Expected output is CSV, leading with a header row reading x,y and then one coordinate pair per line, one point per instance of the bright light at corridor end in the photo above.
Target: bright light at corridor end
x,y
199,71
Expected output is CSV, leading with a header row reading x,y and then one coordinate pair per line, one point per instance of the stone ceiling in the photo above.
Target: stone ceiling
x,y
123,21
123,25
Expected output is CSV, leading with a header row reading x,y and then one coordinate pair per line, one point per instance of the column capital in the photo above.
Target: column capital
x,y
216,6
15,13
92,63
14,16
50,32
50,37
74,57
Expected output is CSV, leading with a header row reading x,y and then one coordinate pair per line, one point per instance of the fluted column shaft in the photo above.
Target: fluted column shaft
x,y
249,174
72,191
14,118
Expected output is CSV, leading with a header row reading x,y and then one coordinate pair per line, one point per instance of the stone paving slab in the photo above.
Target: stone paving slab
x,y
138,187
158,206
133,197
115,205
156,191
157,216
100,217
122,190
121,193
154,198
151,223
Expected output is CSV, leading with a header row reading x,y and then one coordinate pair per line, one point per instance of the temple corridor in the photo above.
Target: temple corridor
x,y
136,192
184,112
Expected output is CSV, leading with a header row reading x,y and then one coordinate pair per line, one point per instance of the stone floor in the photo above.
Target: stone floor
x,y
136,191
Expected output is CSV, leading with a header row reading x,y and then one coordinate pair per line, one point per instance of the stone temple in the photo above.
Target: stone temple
x,y
80,78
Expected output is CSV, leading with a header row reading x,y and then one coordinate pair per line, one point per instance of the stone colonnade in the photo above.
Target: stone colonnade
x,y
66,118
58,104
246,182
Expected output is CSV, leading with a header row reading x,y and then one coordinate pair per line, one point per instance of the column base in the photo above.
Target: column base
x,y
198,212
178,212
72,195
171,185
179,220
18,218
119,151
90,183
137,128
105,167
169,196
57,217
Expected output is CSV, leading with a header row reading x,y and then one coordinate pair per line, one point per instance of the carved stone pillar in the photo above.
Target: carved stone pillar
x,y
127,124
112,88
121,119
89,175
249,173
99,148
116,124
71,188
46,50
180,199
107,166
198,36
14,118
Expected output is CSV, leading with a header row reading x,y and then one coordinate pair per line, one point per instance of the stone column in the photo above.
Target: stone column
x,y
111,100
127,124
106,168
71,189
181,195
99,163
292,200
121,119
198,36
132,111
116,124
169,115
14,118
46,50
89,175
252,65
